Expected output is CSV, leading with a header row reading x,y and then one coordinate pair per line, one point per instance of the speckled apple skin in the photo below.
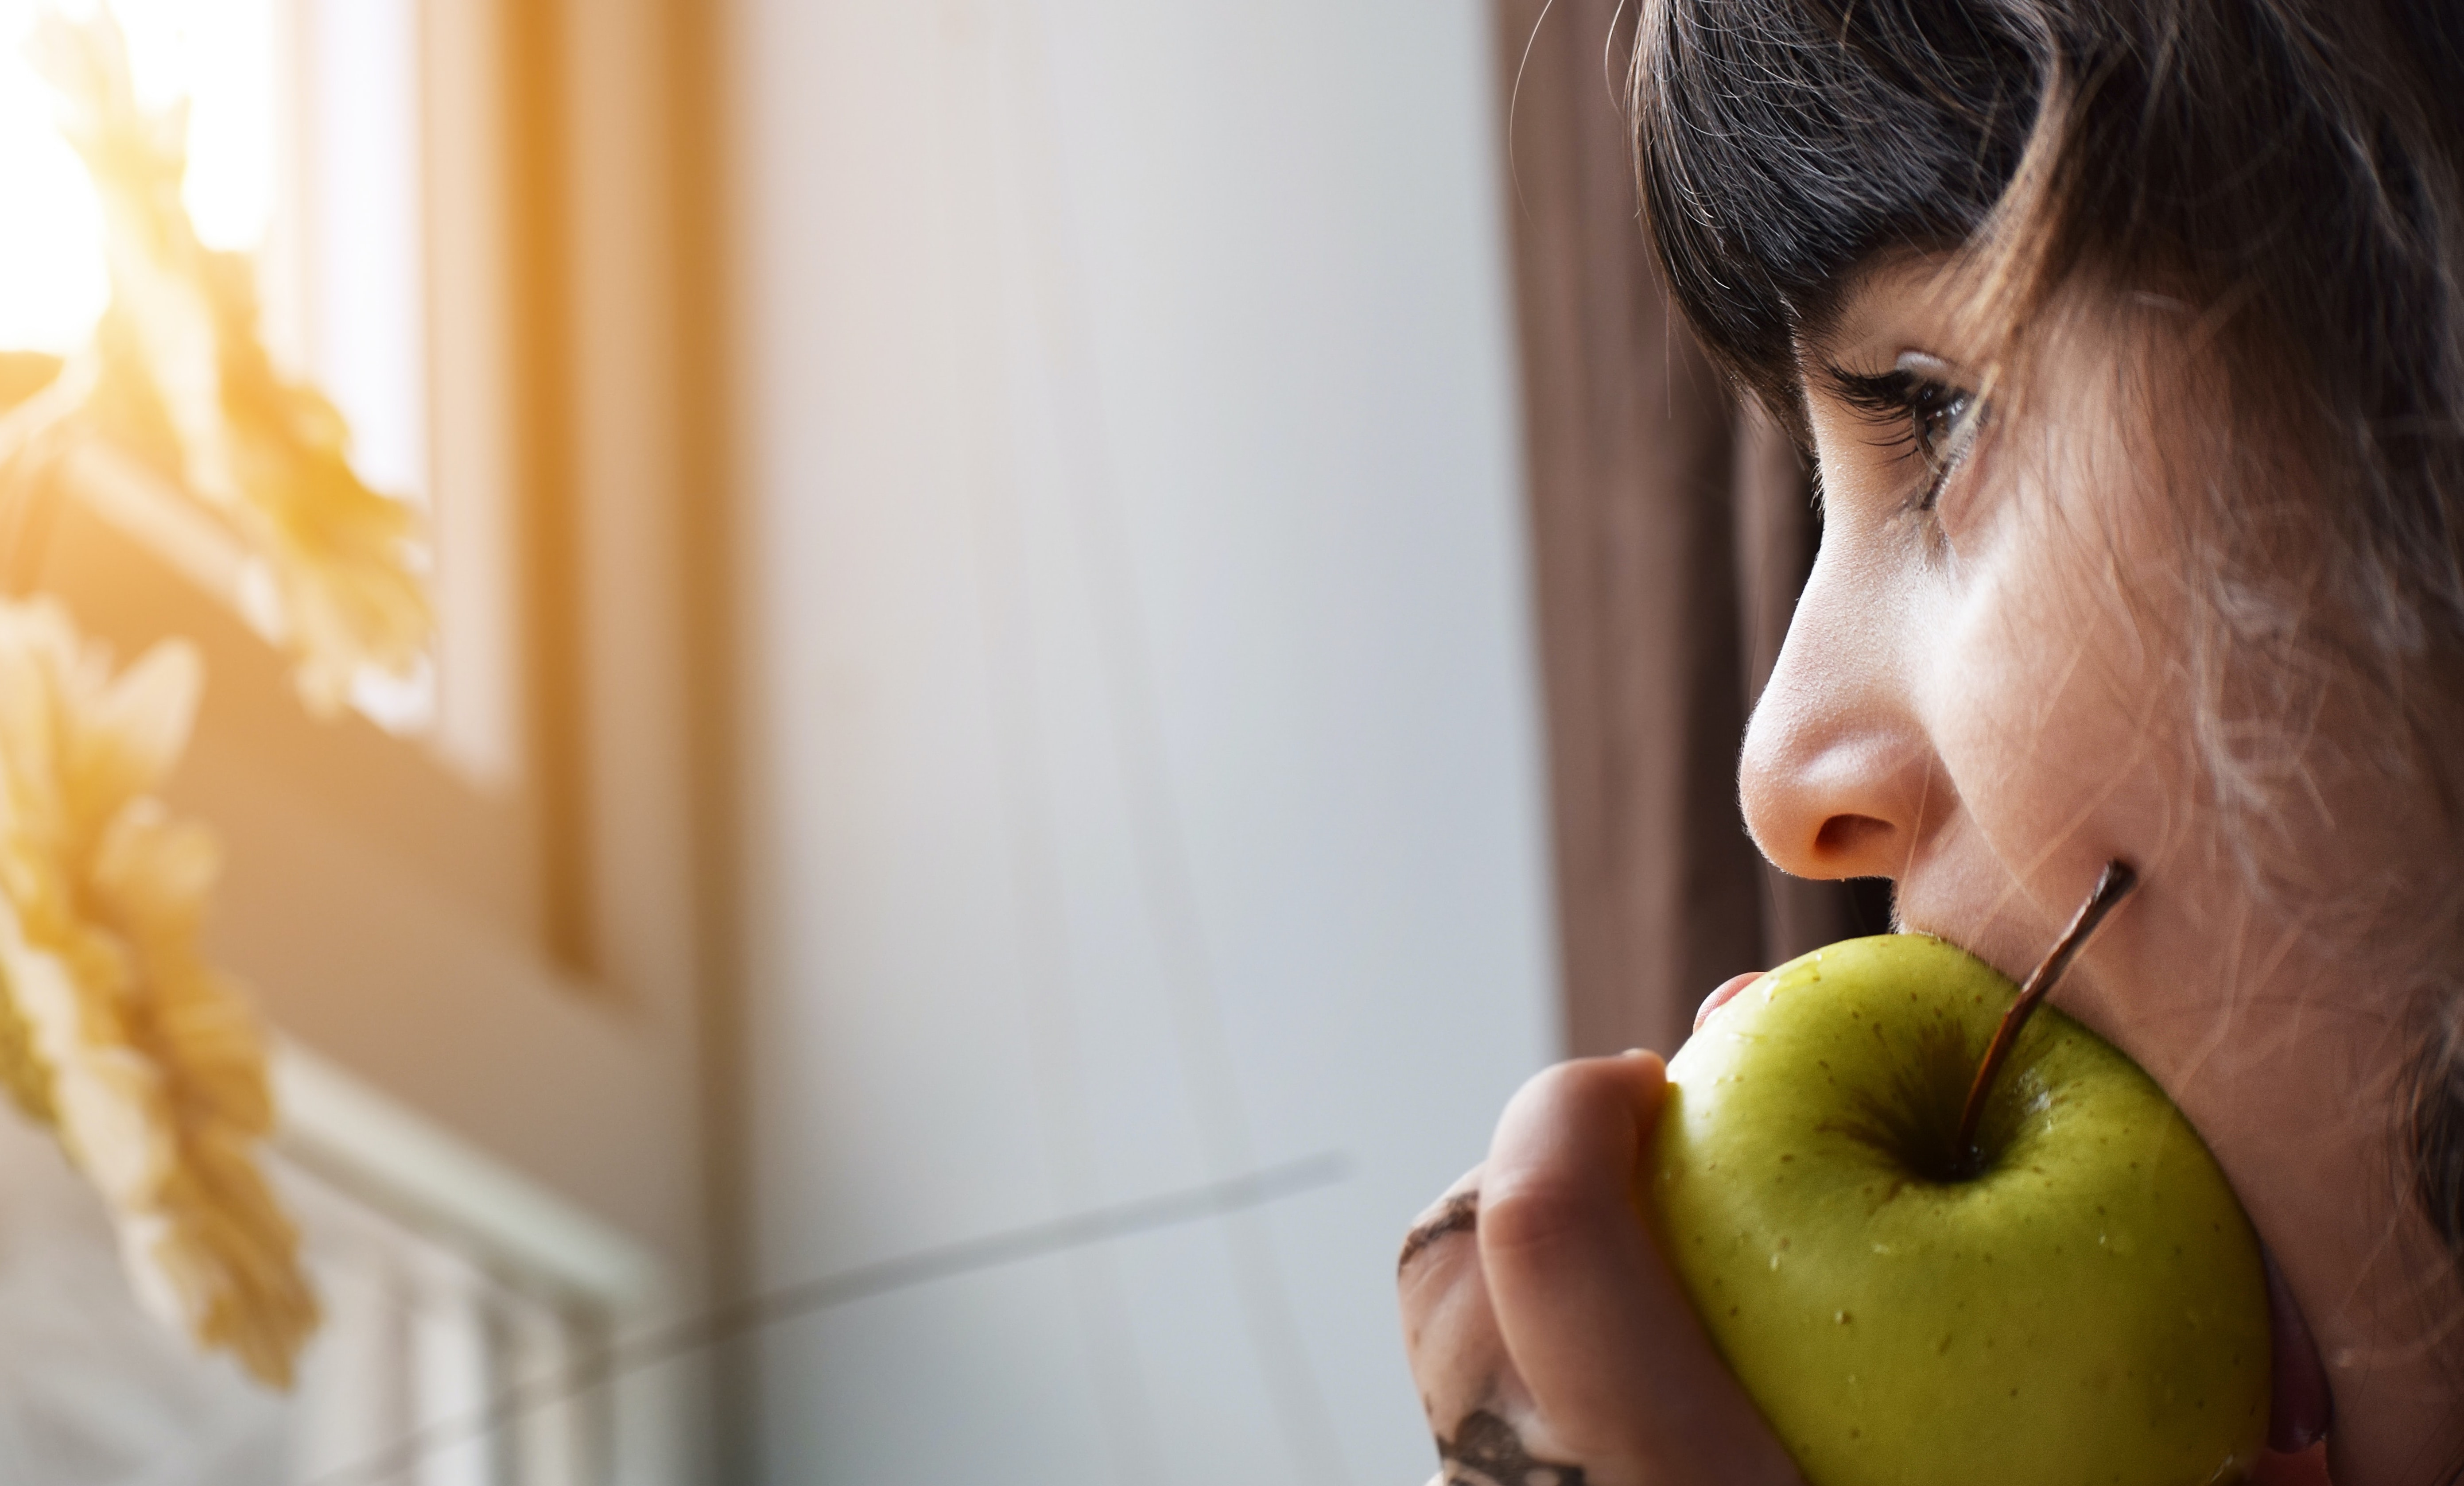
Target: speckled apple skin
x,y
2092,1309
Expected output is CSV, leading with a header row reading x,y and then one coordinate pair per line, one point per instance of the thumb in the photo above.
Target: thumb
x,y
1608,1346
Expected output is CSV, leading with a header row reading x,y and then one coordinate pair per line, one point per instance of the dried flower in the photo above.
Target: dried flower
x,y
145,1058
184,376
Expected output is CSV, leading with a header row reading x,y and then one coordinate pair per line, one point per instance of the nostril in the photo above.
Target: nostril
x,y
1850,838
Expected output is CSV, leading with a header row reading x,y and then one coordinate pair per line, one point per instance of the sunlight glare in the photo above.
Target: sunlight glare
x,y
220,55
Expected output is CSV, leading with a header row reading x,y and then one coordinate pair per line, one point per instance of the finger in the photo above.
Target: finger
x,y
1450,1335
1594,1323
1727,992
1456,1211
1487,1449
1450,1339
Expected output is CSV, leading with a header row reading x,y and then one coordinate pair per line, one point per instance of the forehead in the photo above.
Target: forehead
x,y
1894,302
2133,352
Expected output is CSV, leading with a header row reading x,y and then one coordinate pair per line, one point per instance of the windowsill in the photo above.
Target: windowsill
x,y
337,1125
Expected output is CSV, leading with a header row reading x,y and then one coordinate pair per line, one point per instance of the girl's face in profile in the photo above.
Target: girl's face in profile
x,y
1984,696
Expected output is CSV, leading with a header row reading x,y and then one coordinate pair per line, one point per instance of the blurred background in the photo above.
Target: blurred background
x,y
1070,635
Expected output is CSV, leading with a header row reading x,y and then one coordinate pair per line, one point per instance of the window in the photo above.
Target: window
x,y
473,900
221,56
308,153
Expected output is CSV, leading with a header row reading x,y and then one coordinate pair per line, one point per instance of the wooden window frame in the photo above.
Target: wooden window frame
x,y
515,960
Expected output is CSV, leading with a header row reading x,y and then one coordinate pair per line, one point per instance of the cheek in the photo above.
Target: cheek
x,y
2056,709
2047,704
2045,693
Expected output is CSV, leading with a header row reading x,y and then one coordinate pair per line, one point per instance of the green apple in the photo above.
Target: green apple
x,y
2079,1299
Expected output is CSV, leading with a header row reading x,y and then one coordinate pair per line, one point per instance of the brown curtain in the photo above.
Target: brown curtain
x,y
1672,530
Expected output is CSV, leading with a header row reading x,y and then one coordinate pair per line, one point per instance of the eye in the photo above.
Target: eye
x,y
1920,414
1936,415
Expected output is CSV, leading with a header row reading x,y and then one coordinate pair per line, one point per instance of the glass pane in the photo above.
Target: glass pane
x,y
305,128
220,55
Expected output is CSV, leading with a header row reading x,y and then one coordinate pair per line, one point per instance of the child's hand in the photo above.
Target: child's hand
x,y
1545,1332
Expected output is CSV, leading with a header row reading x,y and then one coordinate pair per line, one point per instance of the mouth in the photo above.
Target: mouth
x,y
2301,1407
1727,992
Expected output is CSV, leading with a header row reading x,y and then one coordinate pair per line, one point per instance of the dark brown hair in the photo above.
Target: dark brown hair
x,y
2293,170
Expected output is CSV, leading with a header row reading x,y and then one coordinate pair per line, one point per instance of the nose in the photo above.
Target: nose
x,y
1838,778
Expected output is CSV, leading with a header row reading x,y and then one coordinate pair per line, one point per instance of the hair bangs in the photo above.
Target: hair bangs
x,y
1782,142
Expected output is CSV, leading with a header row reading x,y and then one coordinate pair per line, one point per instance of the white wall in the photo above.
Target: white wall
x,y
1144,779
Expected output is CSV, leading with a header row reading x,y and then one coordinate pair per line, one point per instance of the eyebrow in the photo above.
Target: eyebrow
x,y
1816,330
1816,323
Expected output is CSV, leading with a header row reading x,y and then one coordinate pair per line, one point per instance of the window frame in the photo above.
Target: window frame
x,y
511,953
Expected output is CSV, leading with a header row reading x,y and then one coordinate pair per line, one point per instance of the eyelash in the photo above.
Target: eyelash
x,y
1933,419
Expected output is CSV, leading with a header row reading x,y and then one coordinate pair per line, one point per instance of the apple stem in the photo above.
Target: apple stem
x,y
2111,888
